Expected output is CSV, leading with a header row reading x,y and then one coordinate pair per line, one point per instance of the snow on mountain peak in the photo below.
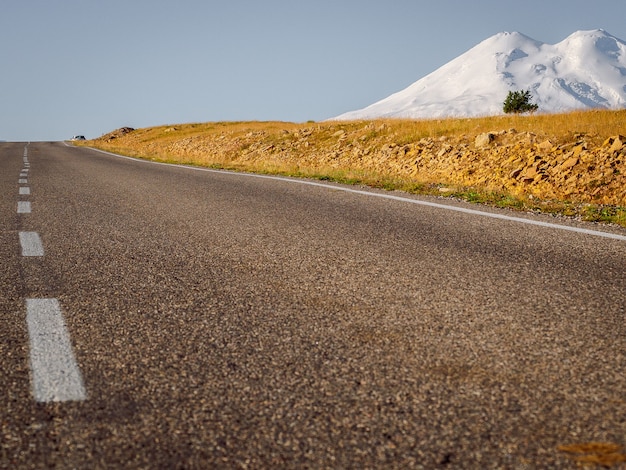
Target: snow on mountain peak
x,y
585,70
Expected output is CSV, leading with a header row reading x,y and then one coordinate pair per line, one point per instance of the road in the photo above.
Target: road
x,y
204,319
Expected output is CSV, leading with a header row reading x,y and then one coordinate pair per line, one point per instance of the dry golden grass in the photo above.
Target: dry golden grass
x,y
561,127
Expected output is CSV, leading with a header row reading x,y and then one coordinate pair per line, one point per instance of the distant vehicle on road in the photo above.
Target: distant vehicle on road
x,y
78,137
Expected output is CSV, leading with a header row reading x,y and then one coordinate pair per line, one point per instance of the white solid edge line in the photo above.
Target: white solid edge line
x,y
464,210
54,373
31,244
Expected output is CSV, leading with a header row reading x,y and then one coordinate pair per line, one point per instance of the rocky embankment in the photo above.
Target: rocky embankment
x,y
579,169
524,164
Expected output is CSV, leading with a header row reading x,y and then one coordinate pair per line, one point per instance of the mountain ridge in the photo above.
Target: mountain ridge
x,y
586,70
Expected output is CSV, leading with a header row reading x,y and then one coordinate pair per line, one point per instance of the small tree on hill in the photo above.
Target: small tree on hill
x,y
519,102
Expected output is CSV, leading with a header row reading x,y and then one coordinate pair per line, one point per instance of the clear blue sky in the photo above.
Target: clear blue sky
x,y
90,66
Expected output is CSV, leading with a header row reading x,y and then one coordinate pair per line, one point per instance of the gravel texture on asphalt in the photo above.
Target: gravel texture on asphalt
x,y
223,321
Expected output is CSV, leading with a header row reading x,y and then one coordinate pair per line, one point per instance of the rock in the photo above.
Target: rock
x,y
618,143
579,148
530,172
117,133
569,163
483,140
545,145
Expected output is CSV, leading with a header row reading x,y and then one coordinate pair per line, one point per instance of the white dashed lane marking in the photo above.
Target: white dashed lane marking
x,y
23,207
55,376
54,373
31,244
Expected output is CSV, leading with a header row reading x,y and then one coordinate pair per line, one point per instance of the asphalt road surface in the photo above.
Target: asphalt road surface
x,y
155,316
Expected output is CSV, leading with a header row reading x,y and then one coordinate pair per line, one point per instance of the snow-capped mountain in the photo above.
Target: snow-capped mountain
x,y
586,70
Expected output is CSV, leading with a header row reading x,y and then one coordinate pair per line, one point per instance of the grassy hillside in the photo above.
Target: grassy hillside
x,y
571,164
